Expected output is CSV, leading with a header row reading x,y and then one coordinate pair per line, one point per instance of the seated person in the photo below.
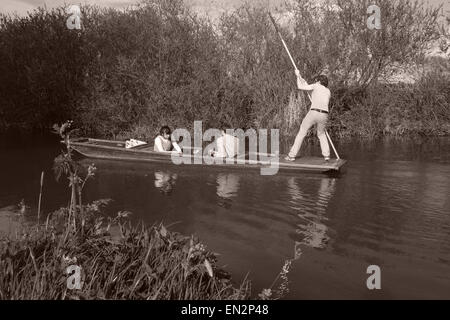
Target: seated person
x,y
164,142
227,146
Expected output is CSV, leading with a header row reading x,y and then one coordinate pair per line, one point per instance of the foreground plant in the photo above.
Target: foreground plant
x,y
117,261
65,164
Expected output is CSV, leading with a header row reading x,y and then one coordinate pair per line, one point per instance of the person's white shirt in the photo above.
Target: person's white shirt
x,y
320,95
164,145
227,146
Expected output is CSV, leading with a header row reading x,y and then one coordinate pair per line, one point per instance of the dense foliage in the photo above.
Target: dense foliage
x,y
126,73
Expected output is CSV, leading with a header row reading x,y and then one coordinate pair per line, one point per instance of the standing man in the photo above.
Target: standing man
x,y
318,114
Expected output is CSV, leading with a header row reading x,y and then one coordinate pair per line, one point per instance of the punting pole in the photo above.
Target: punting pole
x,y
331,142
282,40
295,67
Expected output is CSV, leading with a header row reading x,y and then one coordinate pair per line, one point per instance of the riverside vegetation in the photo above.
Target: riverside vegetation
x,y
126,72
118,259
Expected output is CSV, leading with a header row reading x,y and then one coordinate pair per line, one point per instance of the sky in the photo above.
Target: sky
x,y
212,7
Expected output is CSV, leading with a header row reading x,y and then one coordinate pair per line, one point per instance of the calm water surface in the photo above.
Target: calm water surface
x,y
390,207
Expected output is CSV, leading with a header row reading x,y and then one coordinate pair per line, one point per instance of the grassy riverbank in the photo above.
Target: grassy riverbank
x,y
117,260
125,73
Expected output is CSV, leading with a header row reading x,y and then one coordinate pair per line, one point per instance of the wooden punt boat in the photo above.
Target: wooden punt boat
x,y
115,150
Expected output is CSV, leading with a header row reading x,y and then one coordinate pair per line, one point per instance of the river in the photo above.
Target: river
x,y
389,207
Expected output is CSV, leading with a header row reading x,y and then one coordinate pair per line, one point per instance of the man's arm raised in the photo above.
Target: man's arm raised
x,y
301,83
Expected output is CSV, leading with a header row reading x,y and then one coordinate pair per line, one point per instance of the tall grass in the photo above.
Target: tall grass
x,y
118,261
421,108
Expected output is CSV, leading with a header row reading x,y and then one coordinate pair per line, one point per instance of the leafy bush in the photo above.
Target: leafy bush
x,y
128,72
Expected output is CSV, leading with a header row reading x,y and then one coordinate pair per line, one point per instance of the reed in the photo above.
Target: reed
x,y
40,195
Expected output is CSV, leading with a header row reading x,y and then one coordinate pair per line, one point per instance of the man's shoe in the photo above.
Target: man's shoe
x,y
288,158
327,159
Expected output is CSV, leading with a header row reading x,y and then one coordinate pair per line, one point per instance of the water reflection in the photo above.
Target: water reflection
x,y
13,217
227,188
165,181
312,230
